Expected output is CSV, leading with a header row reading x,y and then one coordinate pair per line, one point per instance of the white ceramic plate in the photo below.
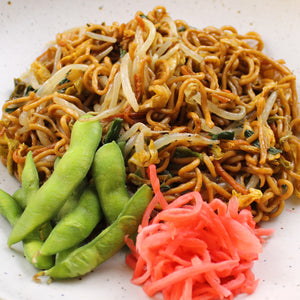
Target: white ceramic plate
x,y
25,29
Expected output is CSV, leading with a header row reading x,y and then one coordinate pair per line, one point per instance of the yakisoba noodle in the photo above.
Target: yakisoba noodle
x,y
207,106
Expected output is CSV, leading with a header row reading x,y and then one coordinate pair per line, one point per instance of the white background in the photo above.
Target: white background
x,y
27,26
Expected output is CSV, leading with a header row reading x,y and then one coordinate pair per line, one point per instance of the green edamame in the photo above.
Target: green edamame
x,y
33,243
30,181
30,176
60,256
20,197
106,244
75,226
72,201
57,160
109,175
10,209
70,171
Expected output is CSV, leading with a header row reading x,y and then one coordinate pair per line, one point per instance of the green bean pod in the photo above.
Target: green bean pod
x,y
60,256
30,177
75,226
70,171
106,244
35,240
20,197
30,182
71,202
57,160
10,209
109,175
32,244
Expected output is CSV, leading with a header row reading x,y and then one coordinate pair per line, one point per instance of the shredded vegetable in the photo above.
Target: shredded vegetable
x,y
192,249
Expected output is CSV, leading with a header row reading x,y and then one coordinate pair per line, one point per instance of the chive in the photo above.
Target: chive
x,y
114,130
62,91
29,89
274,151
144,16
248,133
224,135
65,80
164,187
181,152
122,52
181,28
256,143
10,110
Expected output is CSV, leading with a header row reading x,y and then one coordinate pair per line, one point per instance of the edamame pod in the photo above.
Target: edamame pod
x,y
33,243
20,197
30,177
57,160
71,202
109,175
107,243
75,226
30,181
60,256
10,209
70,171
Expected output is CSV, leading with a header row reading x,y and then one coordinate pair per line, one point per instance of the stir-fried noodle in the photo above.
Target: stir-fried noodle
x,y
207,106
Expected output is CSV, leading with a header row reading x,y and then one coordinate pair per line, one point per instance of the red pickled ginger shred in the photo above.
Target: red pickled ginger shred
x,y
195,250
